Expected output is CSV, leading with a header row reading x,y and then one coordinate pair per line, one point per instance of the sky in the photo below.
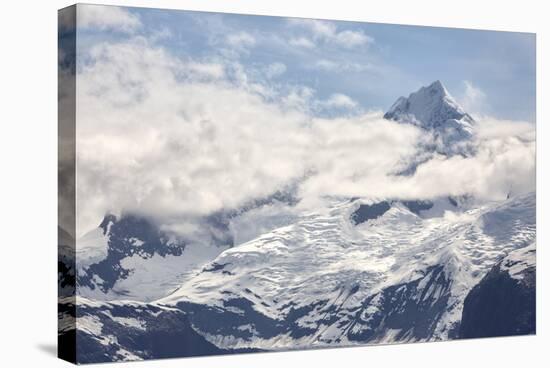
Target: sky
x,y
372,64
182,114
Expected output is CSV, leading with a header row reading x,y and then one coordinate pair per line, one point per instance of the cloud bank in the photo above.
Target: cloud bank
x,y
175,138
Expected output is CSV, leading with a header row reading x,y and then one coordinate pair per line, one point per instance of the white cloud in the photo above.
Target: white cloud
x,y
241,40
351,38
106,18
275,69
473,99
340,100
341,66
161,34
328,32
233,44
319,28
298,98
177,138
503,165
325,64
302,42
202,69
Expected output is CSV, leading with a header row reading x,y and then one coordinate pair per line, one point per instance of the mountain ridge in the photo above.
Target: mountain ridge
x,y
350,271
434,110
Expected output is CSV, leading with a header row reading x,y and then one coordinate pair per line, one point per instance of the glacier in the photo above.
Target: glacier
x,y
273,275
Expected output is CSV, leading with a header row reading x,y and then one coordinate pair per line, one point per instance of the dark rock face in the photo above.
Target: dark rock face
x,y
500,305
367,212
225,322
161,334
66,346
133,331
418,206
66,275
412,308
66,287
123,233
238,312
66,330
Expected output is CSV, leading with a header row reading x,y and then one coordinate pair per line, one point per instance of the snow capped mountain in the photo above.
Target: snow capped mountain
x,y
323,281
433,109
275,275
131,258
326,280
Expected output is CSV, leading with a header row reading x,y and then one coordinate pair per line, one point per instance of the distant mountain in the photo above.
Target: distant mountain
x,y
130,257
434,110
270,275
400,275
327,280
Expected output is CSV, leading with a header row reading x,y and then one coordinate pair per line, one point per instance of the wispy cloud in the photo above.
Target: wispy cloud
x,y
341,66
302,42
352,38
275,69
160,34
473,99
241,40
324,31
340,100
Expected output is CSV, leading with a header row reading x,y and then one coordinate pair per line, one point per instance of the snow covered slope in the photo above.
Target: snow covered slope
x,y
128,331
323,281
433,109
131,258
277,274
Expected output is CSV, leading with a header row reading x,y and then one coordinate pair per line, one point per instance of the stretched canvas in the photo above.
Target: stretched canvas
x,y
238,183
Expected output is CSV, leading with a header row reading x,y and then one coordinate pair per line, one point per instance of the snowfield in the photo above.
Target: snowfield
x,y
326,281
323,262
279,274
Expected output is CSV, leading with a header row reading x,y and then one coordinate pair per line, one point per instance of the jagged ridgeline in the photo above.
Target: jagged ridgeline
x,y
354,271
237,183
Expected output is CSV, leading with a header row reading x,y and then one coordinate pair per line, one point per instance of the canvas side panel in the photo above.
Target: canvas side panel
x,y
66,184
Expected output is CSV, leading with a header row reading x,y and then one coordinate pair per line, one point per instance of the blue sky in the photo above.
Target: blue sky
x,y
373,64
